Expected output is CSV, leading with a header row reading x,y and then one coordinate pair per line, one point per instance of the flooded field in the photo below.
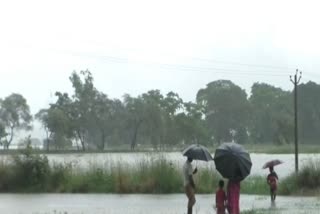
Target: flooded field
x,y
107,159
143,204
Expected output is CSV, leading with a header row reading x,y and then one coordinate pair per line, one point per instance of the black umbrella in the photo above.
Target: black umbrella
x,y
232,161
197,152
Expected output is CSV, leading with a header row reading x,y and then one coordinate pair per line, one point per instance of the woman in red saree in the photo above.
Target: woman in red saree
x,y
233,196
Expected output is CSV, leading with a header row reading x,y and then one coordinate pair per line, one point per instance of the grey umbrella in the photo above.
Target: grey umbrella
x,y
197,152
232,161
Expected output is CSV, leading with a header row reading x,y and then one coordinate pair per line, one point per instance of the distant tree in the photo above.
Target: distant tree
x,y
105,119
14,115
191,125
171,106
271,116
309,112
226,109
3,134
83,104
43,117
135,115
155,118
60,122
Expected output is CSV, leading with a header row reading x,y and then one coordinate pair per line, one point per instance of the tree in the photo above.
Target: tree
x,y
3,134
105,119
135,114
226,109
43,117
83,104
272,115
309,111
171,105
191,125
14,115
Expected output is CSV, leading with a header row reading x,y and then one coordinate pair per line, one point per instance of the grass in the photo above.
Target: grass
x,y
306,182
31,172
268,148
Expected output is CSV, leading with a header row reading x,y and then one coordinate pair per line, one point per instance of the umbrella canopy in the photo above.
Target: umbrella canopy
x,y
272,163
232,161
197,152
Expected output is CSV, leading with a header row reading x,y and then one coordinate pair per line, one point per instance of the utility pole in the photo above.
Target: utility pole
x,y
295,82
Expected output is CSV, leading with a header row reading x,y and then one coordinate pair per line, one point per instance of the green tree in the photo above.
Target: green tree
x,y
14,115
3,134
43,117
83,104
309,112
135,115
226,109
60,123
191,125
171,106
271,119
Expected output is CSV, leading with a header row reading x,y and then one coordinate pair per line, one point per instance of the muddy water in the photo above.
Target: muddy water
x,y
142,204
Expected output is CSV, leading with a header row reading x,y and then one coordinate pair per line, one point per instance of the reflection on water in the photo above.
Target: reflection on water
x,y
142,204
107,159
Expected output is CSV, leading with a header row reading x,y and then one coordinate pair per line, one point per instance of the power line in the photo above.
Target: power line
x,y
243,64
190,68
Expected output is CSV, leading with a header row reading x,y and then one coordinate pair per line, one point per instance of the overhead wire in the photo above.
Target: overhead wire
x,y
193,68
243,64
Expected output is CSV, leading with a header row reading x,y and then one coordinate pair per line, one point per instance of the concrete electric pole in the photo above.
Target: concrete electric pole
x,y
295,80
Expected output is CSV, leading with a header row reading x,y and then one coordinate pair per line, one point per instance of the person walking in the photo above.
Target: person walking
x,y
272,180
233,196
221,199
189,185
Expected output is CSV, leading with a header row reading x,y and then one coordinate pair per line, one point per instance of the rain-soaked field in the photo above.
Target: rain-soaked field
x,y
143,204
104,160
157,204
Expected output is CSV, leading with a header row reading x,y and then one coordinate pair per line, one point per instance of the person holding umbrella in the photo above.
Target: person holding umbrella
x,y
193,152
234,163
233,196
272,180
189,185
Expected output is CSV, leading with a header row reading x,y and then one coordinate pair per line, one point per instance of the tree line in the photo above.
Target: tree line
x,y
88,119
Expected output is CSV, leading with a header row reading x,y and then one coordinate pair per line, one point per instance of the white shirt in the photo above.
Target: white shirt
x,y
187,171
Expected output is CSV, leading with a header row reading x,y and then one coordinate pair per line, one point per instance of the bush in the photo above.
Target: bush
x,y
30,170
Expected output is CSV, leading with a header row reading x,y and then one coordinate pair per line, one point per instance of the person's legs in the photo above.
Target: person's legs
x,y
273,194
191,198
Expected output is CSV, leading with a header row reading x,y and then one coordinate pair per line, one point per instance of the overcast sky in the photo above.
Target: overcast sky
x,y
134,46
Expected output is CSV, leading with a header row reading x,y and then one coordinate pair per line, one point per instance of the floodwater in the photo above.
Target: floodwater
x,y
105,160
143,204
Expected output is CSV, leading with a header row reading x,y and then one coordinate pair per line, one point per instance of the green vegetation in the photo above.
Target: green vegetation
x,y
88,120
306,182
31,172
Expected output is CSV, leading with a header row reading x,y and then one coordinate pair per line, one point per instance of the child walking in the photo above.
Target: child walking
x,y
272,180
221,199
